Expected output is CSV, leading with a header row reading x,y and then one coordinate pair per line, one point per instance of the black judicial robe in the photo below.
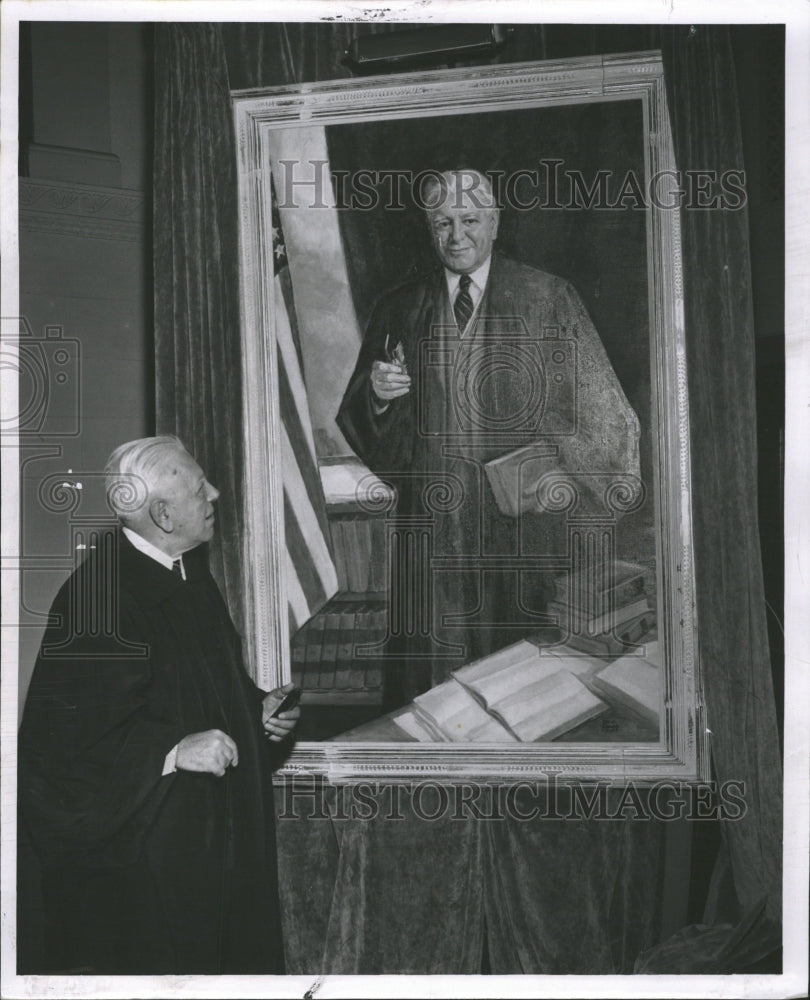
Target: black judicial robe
x,y
472,399
144,873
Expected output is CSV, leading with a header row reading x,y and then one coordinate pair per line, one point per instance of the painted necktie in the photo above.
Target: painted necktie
x,y
463,306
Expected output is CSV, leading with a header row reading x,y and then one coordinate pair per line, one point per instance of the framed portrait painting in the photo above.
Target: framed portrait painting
x,y
468,502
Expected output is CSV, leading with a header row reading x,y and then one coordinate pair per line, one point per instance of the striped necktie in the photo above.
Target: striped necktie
x,y
176,568
463,306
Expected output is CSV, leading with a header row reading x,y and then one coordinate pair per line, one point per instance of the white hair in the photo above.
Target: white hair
x,y
464,181
133,471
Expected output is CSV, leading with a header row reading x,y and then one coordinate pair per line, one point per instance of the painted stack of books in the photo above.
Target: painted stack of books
x,y
633,682
334,656
604,609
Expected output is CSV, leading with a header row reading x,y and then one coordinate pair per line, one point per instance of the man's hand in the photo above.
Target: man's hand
x,y
212,751
389,380
278,726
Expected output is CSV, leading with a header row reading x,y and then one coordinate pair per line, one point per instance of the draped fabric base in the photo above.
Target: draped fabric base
x,y
566,896
407,880
404,895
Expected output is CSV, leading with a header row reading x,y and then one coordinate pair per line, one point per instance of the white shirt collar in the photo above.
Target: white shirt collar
x,y
478,279
148,549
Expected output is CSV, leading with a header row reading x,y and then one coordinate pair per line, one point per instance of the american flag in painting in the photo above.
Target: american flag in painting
x,y
310,568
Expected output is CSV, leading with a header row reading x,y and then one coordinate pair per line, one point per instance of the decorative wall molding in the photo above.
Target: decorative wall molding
x,y
82,210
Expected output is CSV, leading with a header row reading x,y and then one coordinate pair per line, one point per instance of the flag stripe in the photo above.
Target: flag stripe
x,y
311,577
301,459
297,603
290,366
285,286
317,550
298,552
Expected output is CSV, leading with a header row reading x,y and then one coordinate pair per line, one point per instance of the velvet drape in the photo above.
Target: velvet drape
x,y
413,879
405,895
730,599
196,278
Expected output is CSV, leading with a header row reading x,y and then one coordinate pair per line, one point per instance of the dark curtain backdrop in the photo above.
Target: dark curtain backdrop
x,y
196,277
404,895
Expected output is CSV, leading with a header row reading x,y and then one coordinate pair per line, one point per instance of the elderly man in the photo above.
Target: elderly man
x,y
144,763
460,372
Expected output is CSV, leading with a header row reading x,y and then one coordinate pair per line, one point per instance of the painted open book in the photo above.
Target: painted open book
x,y
522,693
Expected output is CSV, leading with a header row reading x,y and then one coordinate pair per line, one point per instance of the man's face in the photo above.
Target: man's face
x,y
189,501
462,231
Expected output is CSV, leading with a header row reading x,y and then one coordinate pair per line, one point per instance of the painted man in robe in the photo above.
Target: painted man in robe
x,y
481,360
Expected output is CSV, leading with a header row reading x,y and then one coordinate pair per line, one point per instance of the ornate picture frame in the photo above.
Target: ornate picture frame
x,y
565,97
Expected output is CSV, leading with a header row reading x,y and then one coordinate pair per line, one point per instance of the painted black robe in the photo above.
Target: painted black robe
x,y
145,873
530,371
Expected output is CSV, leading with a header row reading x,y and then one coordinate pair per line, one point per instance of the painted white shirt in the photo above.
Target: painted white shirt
x,y
478,282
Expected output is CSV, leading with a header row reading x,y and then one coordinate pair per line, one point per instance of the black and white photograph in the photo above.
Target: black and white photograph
x,y
404,500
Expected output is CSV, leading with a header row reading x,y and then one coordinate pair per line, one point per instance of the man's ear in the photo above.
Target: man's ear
x,y
159,512
497,219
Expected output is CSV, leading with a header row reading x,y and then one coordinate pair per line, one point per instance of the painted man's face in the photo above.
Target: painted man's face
x,y
462,230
